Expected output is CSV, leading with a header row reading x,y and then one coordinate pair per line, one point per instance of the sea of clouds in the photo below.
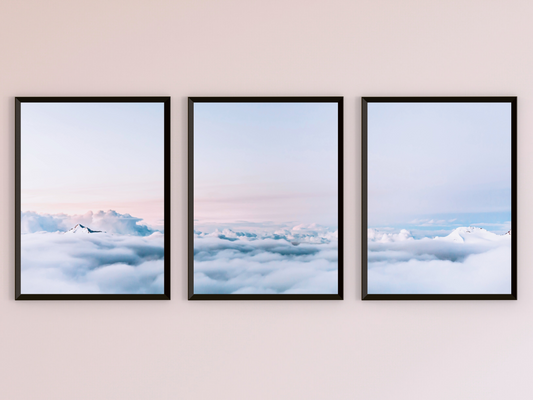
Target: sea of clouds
x,y
302,260
399,263
127,259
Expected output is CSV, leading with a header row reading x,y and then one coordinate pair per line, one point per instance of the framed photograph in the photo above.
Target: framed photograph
x,y
92,198
439,198
265,198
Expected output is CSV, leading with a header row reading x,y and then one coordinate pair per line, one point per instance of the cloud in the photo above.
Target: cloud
x,y
92,263
108,221
431,222
469,260
312,233
384,237
278,262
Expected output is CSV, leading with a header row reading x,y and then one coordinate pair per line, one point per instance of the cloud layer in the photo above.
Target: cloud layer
x,y
301,260
92,263
468,261
108,221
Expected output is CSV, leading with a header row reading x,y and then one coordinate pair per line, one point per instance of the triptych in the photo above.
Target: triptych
x,y
265,198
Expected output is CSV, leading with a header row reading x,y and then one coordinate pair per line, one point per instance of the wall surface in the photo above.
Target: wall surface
x,y
266,350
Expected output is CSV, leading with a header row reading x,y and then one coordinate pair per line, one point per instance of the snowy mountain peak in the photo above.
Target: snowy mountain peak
x,y
469,229
80,229
464,234
470,234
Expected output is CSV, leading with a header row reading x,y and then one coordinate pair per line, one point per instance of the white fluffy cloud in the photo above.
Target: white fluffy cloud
x,y
108,221
91,263
300,260
468,261
384,237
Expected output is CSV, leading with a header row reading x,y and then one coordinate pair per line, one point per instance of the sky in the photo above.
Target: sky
x,y
436,166
90,157
265,164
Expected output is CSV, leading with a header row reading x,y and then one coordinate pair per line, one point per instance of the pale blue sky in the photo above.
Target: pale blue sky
x,y
266,162
436,162
79,157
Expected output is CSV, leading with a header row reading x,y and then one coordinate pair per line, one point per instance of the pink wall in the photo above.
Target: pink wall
x,y
266,350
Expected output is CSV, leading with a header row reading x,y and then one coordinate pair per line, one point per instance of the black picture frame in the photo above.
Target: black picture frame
x,y
165,101
365,101
276,99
